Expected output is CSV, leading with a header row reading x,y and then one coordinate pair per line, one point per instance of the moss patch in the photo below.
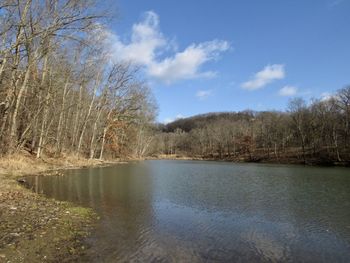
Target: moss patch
x,y
36,229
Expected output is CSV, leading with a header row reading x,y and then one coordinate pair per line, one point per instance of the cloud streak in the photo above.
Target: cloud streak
x,y
203,94
267,75
326,96
288,91
148,47
169,120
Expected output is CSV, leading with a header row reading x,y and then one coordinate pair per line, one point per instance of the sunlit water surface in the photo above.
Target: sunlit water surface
x,y
194,211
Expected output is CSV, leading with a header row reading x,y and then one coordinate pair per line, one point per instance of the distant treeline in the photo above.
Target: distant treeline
x,y
60,90
317,133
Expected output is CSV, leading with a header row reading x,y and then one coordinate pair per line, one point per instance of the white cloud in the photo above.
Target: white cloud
x,y
264,77
288,91
179,116
325,96
147,45
168,120
203,94
146,38
186,64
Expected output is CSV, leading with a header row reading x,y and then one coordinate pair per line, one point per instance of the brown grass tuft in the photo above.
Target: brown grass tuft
x,y
23,163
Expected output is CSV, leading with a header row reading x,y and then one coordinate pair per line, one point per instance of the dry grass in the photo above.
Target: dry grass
x,y
23,163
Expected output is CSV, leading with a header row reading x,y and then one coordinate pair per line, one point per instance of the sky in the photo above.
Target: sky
x,y
212,56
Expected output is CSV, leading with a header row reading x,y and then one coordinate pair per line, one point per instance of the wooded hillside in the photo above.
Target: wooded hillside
x,y
306,133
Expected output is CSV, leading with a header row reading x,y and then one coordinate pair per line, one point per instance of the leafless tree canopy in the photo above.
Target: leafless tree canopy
x,y
59,90
317,133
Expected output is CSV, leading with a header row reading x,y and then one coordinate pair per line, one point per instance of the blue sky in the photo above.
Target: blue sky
x,y
207,56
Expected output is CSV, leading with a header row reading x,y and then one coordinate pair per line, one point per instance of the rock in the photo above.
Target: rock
x,y
22,181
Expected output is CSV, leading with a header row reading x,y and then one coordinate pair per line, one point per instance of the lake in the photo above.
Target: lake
x,y
197,211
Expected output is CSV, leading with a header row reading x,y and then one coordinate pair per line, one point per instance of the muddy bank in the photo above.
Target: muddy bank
x,y
34,228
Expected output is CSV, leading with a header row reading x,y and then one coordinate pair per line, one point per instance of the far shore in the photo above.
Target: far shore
x,y
245,159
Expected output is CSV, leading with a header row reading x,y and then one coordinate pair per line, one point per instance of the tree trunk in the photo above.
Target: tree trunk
x,y
60,119
13,129
46,108
103,142
76,122
92,142
86,119
335,140
105,129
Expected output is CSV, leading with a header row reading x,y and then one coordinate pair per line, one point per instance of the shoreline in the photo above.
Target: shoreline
x,y
291,161
35,228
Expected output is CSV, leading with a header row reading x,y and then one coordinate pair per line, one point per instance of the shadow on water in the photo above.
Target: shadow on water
x,y
190,211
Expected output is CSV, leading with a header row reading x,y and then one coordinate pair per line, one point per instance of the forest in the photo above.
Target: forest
x,y
62,93
308,133
60,90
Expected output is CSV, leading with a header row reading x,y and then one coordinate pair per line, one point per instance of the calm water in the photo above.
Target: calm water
x,y
191,211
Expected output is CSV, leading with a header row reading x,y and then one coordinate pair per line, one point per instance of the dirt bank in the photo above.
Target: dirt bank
x,y
34,228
